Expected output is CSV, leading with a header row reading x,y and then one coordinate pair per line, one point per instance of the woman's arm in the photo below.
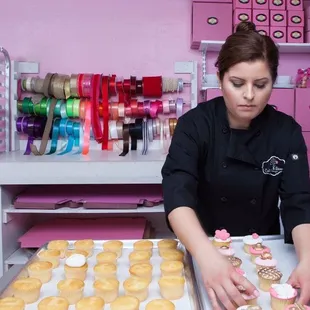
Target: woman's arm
x,y
301,236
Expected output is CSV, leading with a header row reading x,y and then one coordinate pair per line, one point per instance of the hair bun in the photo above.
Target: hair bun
x,y
246,27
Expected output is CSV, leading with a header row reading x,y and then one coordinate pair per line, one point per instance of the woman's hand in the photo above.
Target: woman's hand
x,y
221,281
300,278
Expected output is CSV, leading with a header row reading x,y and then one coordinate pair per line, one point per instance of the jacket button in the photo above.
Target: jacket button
x,y
223,199
224,130
224,165
253,201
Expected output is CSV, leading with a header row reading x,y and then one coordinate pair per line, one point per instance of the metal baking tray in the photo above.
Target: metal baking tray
x,y
190,301
283,253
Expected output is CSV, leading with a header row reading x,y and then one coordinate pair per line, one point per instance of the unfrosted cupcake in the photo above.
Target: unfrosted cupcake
x,y
143,270
76,267
60,245
52,256
12,303
143,245
28,289
235,261
108,289
105,271
257,250
160,304
139,257
267,277
265,261
106,257
171,288
71,289
125,303
251,240
115,246
171,268
85,245
166,244
226,251
137,287
221,238
282,295
173,255
40,270
91,303
52,303
297,307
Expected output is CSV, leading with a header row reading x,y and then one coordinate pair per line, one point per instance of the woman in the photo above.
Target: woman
x,y
229,161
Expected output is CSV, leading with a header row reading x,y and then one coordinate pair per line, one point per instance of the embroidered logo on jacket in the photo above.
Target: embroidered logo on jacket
x,y
273,166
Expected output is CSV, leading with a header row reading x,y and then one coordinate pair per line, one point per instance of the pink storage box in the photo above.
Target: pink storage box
x,y
213,93
294,5
307,139
212,1
278,34
278,18
307,9
260,17
295,35
307,37
211,22
260,4
242,4
295,18
282,99
241,15
302,114
277,5
263,30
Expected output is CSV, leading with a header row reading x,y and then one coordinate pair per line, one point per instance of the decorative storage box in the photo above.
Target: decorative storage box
x,y
213,93
242,15
211,21
295,18
278,18
261,17
263,30
302,113
294,5
278,34
260,4
242,4
295,35
277,5
283,100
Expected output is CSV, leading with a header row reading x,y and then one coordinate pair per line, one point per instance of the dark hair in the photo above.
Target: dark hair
x,y
245,45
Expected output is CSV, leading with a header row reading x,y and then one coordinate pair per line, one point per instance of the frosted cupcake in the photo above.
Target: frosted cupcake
x,y
257,250
171,288
221,238
76,267
235,261
160,304
265,261
12,303
40,270
52,303
52,256
105,271
282,295
60,245
85,245
71,289
142,271
297,307
267,277
226,251
166,244
115,246
173,255
108,289
139,257
28,289
106,257
92,302
125,303
137,287
143,245
251,240
171,268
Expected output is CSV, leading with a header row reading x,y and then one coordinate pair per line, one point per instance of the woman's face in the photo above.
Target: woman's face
x,y
246,89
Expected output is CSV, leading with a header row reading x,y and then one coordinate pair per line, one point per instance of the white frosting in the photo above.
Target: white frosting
x,y
284,290
221,240
76,260
249,240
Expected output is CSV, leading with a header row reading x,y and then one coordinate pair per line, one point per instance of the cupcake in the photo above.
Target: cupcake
x,y
160,304
115,246
85,245
60,245
105,271
107,289
294,307
251,240
171,268
267,277
257,250
235,261
125,303
106,257
221,238
12,303
40,270
71,289
52,303
265,261
226,251
143,245
249,307
171,288
173,255
166,244
70,252
142,257
137,287
282,295
92,302
143,270
28,289
76,267
52,256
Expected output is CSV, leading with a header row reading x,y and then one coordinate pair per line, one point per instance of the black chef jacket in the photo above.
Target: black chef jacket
x,y
233,178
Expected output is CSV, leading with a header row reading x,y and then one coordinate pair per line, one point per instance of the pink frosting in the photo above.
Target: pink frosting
x,y
227,251
265,262
222,234
273,293
255,236
259,251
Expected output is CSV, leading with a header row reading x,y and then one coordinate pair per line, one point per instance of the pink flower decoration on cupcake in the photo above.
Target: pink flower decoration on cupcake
x,y
255,236
222,234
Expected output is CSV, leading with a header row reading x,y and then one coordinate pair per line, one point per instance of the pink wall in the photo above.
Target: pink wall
x,y
125,37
